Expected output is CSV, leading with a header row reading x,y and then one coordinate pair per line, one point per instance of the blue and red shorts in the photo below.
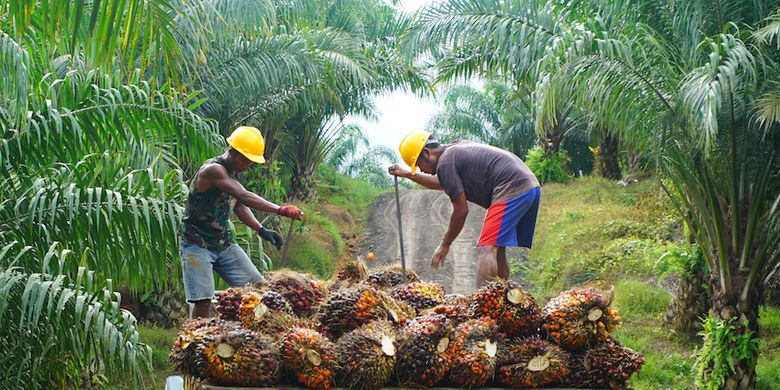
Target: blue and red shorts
x,y
511,222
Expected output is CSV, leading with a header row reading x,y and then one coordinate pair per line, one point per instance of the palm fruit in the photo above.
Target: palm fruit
x,y
191,334
607,366
455,308
310,357
579,319
391,276
367,356
351,308
531,362
422,346
239,357
348,272
472,352
513,308
229,301
267,313
421,295
304,293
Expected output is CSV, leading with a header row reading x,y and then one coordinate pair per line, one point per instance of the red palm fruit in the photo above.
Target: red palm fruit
x,y
191,333
580,319
455,307
304,293
422,347
531,362
513,308
391,276
472,353
607,366
367,356
310,357
256,315
239,357
229,301
420,295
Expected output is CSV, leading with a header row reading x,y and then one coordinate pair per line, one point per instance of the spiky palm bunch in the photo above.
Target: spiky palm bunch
x,y
304,293
513,308
420,295
422,347
367,356
351,308
350,271
472,352
238,357
531,362
391,276
229,302
274,318
455,307
310,357
578,319
191,334
607,366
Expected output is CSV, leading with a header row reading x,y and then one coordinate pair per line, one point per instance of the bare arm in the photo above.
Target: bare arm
x,y
423,179
460,210
216,175
246,216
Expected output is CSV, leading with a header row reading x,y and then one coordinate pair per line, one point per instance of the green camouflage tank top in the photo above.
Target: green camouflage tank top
x,y
206,221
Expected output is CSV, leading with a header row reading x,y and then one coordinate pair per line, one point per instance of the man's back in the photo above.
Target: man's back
x,y
486,174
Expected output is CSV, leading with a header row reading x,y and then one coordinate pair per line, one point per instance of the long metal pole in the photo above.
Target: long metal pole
x,y
400,228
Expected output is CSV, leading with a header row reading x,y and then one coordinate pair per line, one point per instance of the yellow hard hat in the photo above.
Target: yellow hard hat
x,y
411,147
249,142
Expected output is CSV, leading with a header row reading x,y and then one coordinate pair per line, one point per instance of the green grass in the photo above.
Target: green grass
x,y
768,368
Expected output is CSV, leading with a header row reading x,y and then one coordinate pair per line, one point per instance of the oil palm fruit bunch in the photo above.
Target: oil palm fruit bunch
x,y
310,357
455,308
268,314
607,366
304,293
579,319
191,333
350,271
351,308
531,362
422,347
367,356
513,308
472,352
239,357
391,276
420,295
229,302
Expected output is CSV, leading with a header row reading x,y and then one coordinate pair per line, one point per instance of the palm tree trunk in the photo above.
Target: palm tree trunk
x,y
303,186
690,302
606,158
744,313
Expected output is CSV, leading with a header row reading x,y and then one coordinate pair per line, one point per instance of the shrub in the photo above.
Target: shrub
x,y
548,169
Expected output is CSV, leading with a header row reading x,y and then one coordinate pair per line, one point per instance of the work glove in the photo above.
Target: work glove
x,y
290,211
271,236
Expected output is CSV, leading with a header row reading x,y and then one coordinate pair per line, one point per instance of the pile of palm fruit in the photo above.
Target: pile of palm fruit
x,y
369,329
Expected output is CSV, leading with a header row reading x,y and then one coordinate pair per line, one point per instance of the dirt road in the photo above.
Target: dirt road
x,y
425,215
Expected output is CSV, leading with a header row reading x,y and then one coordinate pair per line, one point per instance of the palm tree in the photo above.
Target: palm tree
x,y
91,181
699,81
496,116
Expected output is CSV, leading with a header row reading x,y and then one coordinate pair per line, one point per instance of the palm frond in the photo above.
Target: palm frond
x,y
14,78
768,107
53,328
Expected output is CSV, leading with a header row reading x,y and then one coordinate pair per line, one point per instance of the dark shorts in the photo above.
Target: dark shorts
x,y
511,222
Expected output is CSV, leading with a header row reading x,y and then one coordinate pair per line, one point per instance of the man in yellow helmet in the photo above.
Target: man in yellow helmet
x,y
490,177
206,240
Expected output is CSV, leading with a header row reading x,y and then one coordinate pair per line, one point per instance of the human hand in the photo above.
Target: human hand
x,y
396,170
439,255
290,211
271,236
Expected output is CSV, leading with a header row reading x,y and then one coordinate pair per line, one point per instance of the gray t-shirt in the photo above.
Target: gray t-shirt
x,y
486,174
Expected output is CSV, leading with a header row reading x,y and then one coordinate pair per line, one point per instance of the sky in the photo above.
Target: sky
x,y
398,112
